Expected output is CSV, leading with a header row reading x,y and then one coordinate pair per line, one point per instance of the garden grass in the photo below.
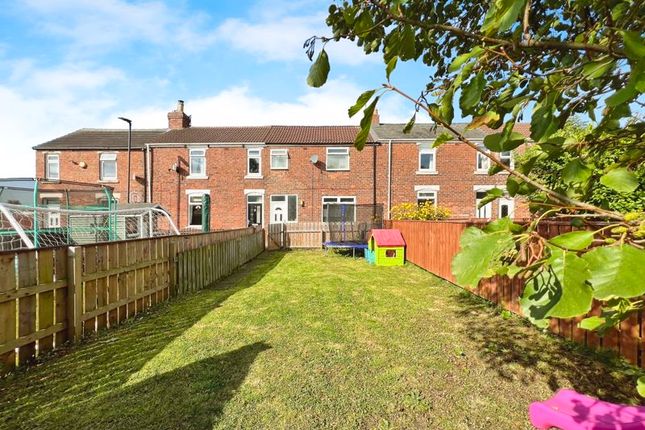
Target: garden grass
x,y
307,340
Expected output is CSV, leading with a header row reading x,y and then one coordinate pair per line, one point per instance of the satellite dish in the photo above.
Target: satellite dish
x,y
314,159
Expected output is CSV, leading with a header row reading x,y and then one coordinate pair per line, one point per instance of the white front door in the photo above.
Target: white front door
x,y
278,209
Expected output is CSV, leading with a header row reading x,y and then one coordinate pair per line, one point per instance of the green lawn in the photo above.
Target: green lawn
x,y
305,340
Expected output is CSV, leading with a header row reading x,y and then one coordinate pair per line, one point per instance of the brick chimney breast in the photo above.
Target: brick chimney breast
x,y
178,119
376,118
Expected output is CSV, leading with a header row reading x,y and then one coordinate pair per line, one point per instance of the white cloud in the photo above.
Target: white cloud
x,y
237,106
112,24
280,38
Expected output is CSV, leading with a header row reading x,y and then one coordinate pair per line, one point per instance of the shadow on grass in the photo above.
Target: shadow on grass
x,y
99,368
516,352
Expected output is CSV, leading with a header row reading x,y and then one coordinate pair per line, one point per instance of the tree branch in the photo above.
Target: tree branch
x,y
554,195
550,44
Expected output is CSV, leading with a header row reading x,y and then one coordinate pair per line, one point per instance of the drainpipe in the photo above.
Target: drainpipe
x,y
148,175
389,177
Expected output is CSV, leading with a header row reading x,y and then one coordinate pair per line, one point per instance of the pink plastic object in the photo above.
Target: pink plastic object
x,y
569,410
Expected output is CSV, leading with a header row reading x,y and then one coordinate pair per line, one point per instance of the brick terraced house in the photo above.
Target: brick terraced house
x,y
268,174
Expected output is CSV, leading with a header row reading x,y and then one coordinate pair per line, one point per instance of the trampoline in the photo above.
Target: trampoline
x,y
346,245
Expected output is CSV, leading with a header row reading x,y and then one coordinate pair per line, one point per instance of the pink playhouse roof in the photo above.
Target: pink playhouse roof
x,y
391,237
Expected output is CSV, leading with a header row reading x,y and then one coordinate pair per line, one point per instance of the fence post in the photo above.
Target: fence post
x,y
172,258
74,293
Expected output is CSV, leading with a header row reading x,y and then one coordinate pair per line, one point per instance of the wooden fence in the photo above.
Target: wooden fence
x,y
314,234
51,296
433,244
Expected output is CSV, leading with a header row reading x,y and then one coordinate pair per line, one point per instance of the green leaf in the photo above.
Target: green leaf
x,y
484,119
592,323
573,240
623,95
446,111
360,102
461,59
408,127
500,142
634,46
441,139
501,15
319,71
491,195
596,69
366,124
620,179
640,386
559,290
575,172
479,255
471,93
616,271
502,224
407,48
389,68
543,124
363,23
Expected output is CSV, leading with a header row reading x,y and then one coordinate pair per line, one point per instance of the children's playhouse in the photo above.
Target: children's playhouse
x,y
385,248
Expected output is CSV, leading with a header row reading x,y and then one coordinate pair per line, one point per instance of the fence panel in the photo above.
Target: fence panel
x,y
432,246
33,304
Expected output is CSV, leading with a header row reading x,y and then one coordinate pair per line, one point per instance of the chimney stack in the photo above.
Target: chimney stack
x,y
376,119
177,119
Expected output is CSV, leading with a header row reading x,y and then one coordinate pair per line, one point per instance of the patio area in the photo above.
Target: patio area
x,y
307,340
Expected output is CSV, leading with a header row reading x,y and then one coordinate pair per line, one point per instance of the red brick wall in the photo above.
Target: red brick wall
x,y
226,169
456,177
70,170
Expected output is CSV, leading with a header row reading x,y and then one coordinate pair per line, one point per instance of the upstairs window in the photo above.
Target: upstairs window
x,y
337,158
483,162
279,159
254,162
427,160
197,162
52,167
107,167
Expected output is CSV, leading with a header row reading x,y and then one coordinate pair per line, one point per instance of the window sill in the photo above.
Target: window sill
x,y
196,177
279,168
337,170
109,181
253,177
481,172
427,172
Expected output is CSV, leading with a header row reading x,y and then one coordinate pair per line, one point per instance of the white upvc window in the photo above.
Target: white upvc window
x,y
107,168
339,209
506,158
424,196
427,160
52,167
506,207
483,162
337,159
279,159
197,162
254,163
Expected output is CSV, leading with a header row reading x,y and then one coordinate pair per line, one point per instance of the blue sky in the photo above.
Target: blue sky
x,y
69,64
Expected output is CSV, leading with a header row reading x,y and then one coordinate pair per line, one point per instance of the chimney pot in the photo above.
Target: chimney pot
x,y
180,106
